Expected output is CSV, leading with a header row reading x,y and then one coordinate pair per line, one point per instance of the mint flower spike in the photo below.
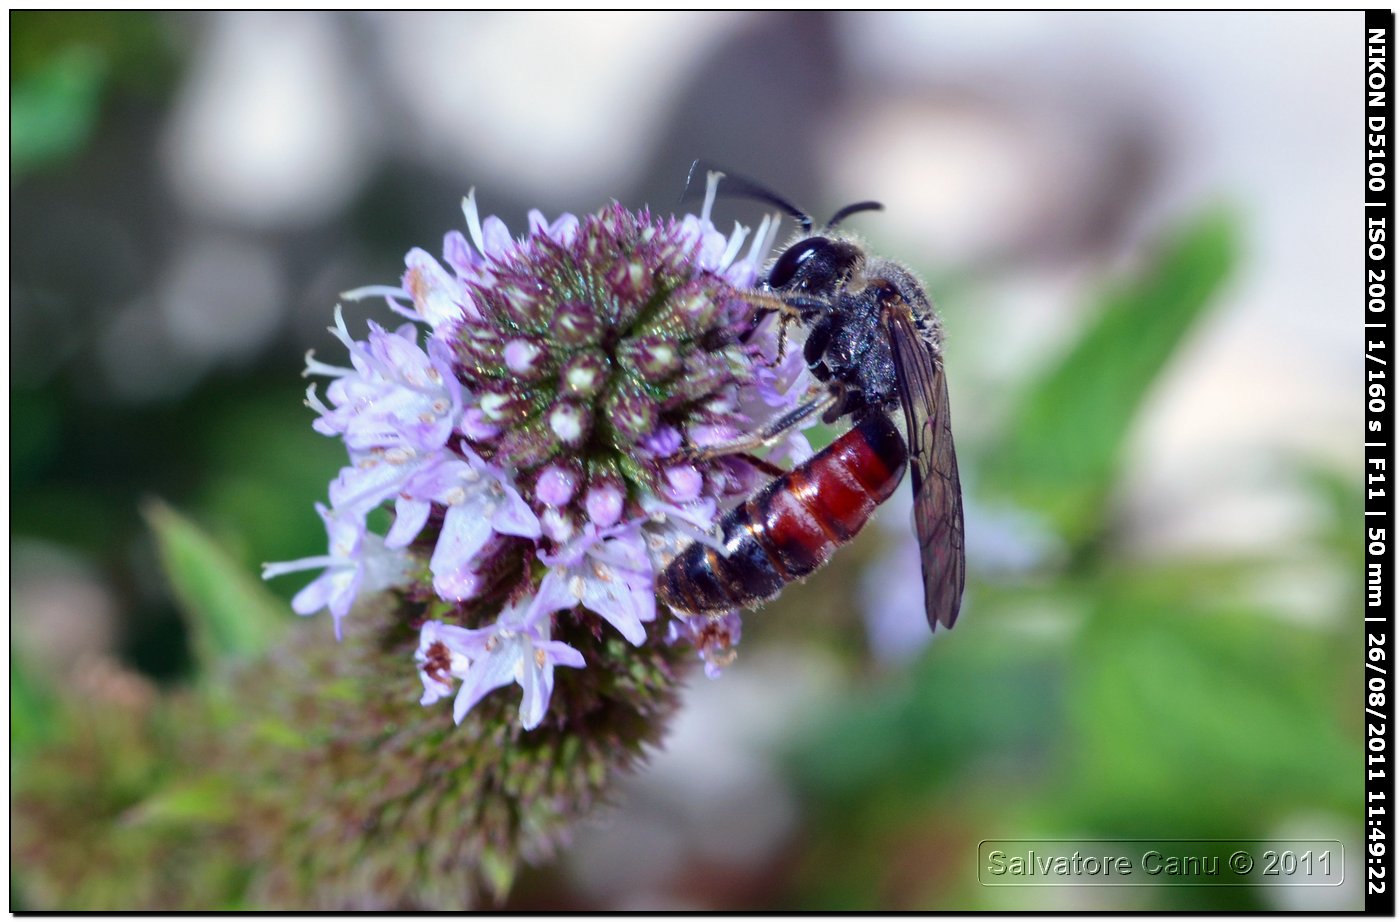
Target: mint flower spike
x,y
532,433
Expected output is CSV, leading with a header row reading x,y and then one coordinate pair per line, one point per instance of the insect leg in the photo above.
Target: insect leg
x,y
763,466
769,433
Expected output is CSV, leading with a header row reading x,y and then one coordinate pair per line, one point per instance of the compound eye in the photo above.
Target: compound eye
x,y
785,269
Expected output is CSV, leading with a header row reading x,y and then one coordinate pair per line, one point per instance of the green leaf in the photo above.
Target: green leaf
x,y
229,611
32,710
210,799
53,111
1062,451
1195,719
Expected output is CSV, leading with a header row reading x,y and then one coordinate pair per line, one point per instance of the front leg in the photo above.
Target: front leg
x,y
768,434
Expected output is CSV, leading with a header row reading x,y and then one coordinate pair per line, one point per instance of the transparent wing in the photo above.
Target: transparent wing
x,y
938,512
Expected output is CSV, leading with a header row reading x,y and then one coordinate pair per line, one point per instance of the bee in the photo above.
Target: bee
x,y
875,342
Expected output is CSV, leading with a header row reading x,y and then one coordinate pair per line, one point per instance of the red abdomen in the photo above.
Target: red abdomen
x,y
791,526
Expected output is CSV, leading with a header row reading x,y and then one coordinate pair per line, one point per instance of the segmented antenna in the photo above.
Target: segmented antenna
x,y
736,185
849,210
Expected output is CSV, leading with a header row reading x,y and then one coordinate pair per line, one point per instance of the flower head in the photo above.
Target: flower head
x,y
549,436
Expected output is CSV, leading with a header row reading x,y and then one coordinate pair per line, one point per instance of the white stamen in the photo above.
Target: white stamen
x,y
307,563
473,219
454,496
712,179
313,367
375,291
340,331
314,402
391,296
758,237
736,241
772,236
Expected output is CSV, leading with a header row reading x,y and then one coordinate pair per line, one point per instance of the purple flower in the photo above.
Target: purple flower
x,y
610,574
439,298
714,638
395,395
357,562
516,649
479,501
536,437
670,528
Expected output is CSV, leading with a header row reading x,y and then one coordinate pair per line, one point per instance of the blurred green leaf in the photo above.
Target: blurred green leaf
x,y
1343,502
204,800
973,697
1195,719
54,109
62,65
1061,452
34,433
230,613
137,43
262,463
31,709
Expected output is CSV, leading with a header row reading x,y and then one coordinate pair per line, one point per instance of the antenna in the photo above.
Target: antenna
x,y
849,210
736,185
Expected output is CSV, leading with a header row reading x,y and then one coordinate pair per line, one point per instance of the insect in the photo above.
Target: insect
x,y
874,341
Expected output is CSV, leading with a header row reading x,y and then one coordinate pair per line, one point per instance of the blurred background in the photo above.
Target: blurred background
x,y
1140,229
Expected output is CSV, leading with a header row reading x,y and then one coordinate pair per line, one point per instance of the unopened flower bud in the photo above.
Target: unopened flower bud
x,y
575,323
529,445
629,279
501,409
525,358
570,422
604,503
632,415
522,303
694,305
653,357
584,375
557,525
556,485
476,426
683,483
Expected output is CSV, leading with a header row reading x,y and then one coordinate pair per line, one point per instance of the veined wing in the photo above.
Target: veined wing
x,y
933,466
